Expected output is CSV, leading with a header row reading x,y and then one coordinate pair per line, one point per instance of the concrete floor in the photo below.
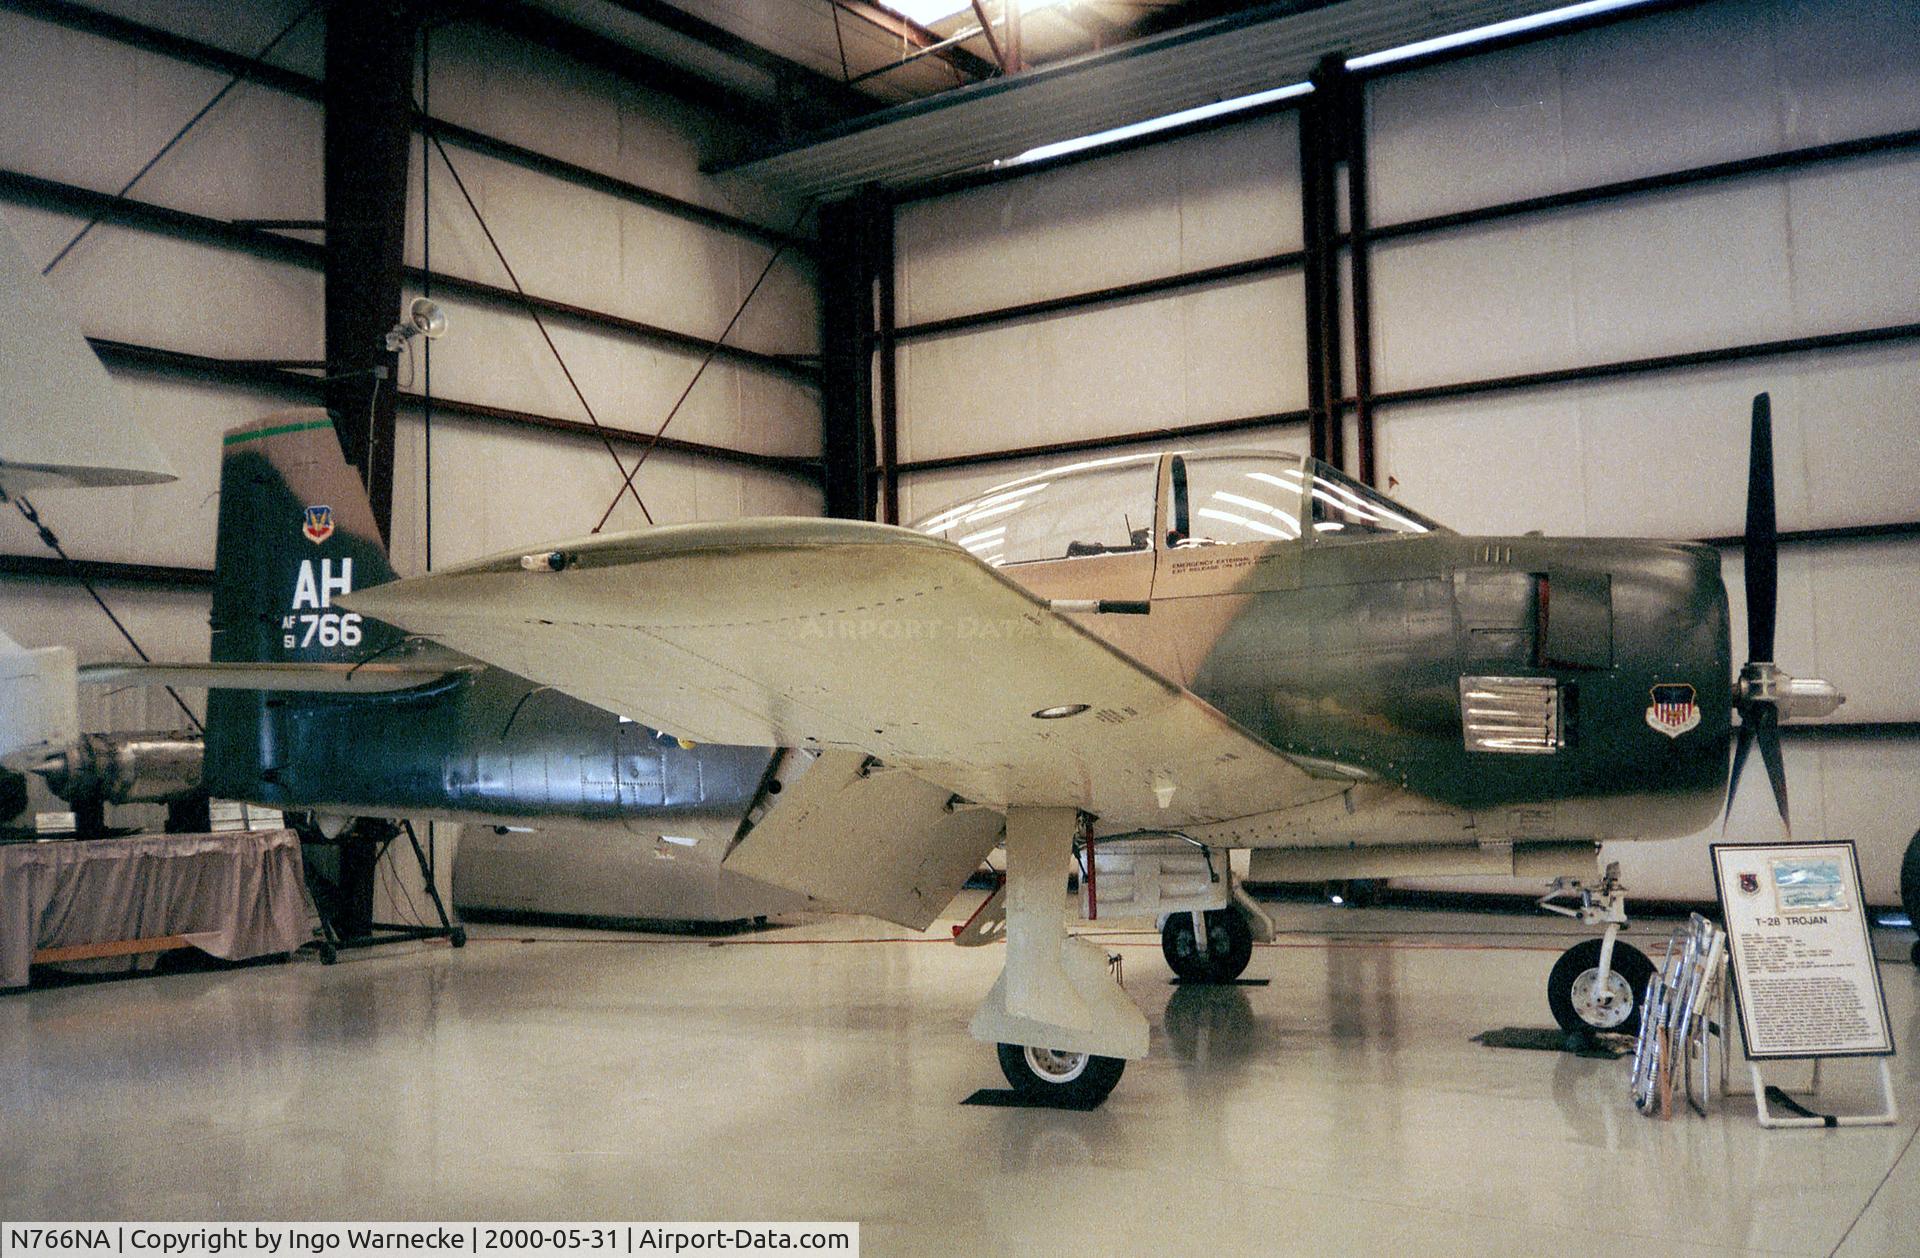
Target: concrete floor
x,y
815,1071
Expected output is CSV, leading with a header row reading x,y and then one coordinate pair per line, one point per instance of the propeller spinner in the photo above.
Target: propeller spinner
x,y
1764,695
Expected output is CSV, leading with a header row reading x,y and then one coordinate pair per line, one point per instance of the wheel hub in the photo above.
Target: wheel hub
x,y
1055,1066
1602,1007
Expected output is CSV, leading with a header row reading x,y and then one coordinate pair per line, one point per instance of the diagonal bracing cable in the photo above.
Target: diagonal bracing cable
x,y
841,40
697,373
73,569
239,76
541,324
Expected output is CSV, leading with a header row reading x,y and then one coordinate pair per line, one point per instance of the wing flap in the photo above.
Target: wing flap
x,y
876,841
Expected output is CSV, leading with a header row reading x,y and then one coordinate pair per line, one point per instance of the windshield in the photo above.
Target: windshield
x,y
1100,507
1346,510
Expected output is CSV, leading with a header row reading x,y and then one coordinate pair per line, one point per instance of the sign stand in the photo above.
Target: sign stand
x,y
1889,1111
1804,972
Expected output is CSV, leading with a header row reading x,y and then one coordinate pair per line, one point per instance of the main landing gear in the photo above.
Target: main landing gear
x,y
1207,947
1598,984
1063,1027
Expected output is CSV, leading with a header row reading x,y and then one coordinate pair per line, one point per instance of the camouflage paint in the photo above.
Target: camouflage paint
x,y
483,746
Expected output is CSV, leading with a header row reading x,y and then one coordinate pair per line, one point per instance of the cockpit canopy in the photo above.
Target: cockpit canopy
x,y
1111,506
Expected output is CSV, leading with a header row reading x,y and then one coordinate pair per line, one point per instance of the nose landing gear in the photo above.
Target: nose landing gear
x,y
1598,984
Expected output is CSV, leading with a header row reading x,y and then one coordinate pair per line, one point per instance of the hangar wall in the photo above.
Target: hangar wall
x,y
1543,357
1227,350
589,182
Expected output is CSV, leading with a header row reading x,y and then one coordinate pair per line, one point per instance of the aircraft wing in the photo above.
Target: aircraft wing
x,y
842,634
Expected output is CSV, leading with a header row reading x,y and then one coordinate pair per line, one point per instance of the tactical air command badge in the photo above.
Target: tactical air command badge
x,y
1673,711
319,524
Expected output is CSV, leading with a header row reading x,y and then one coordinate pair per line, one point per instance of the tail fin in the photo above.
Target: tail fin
x,y
296,532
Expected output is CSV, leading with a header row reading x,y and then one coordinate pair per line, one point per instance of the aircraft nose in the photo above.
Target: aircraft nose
x,y
1670,615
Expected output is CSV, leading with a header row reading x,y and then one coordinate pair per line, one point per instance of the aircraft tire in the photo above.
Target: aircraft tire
x,y
1910,888
1229,946
1629,963
1066,1080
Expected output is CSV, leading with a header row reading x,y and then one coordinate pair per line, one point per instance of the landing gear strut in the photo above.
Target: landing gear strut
x,y
1598,984
1910,889
1063,1027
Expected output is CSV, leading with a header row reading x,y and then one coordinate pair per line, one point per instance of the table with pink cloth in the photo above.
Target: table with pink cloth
x,y
235,895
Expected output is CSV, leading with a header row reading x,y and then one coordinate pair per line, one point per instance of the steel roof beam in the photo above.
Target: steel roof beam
x,y
146,216
270,377
970,64
537,26
831,92
306,87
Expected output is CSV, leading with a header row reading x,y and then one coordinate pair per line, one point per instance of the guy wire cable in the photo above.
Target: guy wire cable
x,y
426,284
426,349
238,77
73,570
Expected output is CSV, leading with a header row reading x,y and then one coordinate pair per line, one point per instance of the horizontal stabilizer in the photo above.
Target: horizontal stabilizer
x,y
66,423
314,678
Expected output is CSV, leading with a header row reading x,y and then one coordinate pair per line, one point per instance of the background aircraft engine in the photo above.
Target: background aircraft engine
x,y
147,768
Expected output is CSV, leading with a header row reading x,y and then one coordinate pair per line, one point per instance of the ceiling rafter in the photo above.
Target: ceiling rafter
x,y
823,86
589,47
968,63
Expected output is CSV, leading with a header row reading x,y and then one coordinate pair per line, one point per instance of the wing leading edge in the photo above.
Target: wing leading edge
x,y
843,634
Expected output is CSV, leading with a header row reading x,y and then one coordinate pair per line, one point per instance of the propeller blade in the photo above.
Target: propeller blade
x,y
1762,545
1740,750
1767,734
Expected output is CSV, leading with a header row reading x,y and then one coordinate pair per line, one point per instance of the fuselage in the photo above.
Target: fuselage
x,y
1477,688
485,746
1579,687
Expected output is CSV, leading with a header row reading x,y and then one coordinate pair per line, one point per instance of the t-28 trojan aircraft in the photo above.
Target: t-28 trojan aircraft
x,y
1135,664
1158,655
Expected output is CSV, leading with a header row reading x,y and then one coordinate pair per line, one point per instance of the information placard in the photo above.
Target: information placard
x,y
1803,967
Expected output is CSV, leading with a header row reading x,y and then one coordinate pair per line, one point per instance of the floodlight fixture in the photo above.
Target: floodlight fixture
x,y
424,318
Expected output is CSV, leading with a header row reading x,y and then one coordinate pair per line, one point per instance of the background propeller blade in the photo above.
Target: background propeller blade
x,y
1757,693
1767,734
1744,732
1762,540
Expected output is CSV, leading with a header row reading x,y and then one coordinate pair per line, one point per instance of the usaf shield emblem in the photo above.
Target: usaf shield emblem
x,y
1749,884
1673,711
318,525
